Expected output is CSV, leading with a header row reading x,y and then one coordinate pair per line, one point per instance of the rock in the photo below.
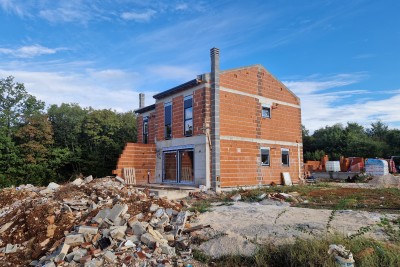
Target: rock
x,y
129,244
110,257
148,240
262,196
83,229
77,182
119,179
89,179
138,228
118,232
166,249
63,251
133,238
236,197
50,219
10,248
116,211
101,215
50,230
74,240
159,213
153,207
5,227
53,186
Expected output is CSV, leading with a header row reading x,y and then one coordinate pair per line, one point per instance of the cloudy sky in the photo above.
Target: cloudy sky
x,y
340,57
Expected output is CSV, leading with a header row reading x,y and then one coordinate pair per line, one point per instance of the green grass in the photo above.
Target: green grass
x,y
313,252
200,206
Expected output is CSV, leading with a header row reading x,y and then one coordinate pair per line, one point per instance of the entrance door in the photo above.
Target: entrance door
x,y
178,166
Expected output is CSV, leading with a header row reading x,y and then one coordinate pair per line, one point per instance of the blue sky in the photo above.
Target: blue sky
x,y
340,57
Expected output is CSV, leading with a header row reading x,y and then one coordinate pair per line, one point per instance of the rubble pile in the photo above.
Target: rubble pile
x,y
92,222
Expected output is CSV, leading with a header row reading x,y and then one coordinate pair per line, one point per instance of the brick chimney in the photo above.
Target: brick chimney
x,y
215,126
141,100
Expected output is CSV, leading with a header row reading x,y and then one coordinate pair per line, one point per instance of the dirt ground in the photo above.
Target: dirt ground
x,y
243,225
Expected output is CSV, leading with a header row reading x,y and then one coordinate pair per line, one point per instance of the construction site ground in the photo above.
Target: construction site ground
x,y
35,222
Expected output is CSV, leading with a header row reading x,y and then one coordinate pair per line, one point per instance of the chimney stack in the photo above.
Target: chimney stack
x,y
141,100
215,124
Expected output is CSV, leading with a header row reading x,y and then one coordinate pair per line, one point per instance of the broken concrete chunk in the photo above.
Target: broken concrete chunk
x,y
153,207
110,257
77,182
5,227
74,240
10,248
119,179
159,213
53,186
118,232
138,228
236,197
133,238
129,244
89,179
83,229
101,215
148,240
117,211
166,249
63,251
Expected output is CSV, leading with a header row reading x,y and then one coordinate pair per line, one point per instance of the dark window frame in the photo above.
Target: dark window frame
x,y
267,113
187,104
264,149
285,153
145,130
168,121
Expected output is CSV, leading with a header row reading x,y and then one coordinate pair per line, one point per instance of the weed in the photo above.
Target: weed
x,y
201,206
279,215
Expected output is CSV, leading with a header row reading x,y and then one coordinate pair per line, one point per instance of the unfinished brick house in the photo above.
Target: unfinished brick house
x,y
226,128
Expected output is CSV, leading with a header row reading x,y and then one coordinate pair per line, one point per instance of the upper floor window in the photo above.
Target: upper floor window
x,y
168,120
285,156
265,156
188,115
145,130
266,111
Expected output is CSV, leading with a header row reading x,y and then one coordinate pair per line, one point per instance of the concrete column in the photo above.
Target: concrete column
x,y
215,121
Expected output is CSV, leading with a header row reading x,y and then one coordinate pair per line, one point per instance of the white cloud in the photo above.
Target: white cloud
x,y
324,103
182,6
175,73
109,89
139,17
28,51
13,7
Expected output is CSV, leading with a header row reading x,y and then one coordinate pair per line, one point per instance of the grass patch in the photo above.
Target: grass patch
x,y
313,252
200,206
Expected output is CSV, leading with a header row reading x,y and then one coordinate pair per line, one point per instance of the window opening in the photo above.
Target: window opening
x,y
188,115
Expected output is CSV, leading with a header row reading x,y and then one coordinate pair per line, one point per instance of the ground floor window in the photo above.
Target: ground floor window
x,y
178,166
265,156
285,156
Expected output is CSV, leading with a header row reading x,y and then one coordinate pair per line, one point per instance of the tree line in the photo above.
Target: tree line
x,y
39,144
352,140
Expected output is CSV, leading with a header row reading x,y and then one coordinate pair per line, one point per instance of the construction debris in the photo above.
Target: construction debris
x,y
92,222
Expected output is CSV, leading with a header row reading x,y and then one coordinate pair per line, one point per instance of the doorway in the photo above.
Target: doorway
x,y
178,166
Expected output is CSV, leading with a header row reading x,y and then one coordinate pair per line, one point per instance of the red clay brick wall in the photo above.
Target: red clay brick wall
x,y
240,116
177,117
152,128
256,80
140,156
139,124
201,109
159,123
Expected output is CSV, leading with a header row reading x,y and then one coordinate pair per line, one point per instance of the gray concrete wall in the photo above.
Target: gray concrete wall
x,y
201,157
